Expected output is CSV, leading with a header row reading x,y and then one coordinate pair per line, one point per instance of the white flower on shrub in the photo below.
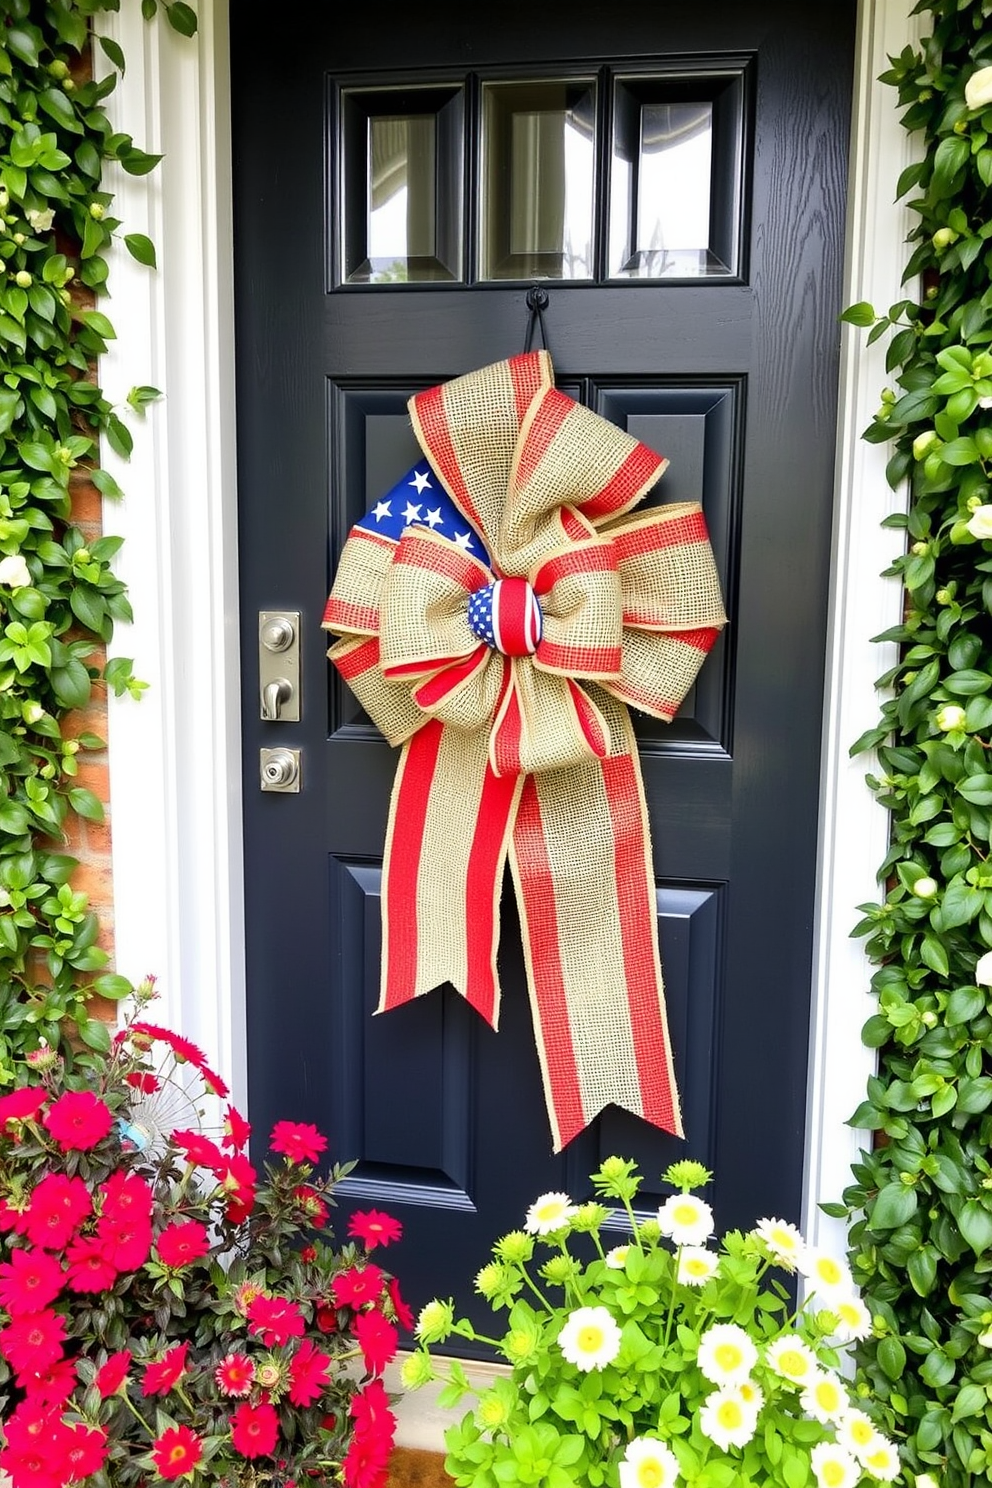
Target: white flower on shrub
x,y
616,1258
782,1240
648,1463
697,1265
858,1434
979,524
792,1358
853,1318
826,1275
552,1211
834,1468
983,970
726,1354
685,1219
590,1339
14,572
825,1398
727,1419
40,220
978,88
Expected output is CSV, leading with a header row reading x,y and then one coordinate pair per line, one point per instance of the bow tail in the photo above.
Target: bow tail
x,y
450,821
581,859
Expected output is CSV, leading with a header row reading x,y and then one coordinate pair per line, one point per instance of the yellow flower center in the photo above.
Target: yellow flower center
x,y
783,1239
685,1214
827,1395
832,1473
862,1432
696,1267
728,1356
877,1459
590,1338
549,1211
793,1363
848,1313
729,1414
650,1473
828,1270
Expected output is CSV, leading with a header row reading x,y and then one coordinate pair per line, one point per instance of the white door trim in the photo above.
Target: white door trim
x,y
175,758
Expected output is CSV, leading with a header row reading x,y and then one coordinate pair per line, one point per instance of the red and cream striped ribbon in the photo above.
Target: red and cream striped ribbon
x,y
531,758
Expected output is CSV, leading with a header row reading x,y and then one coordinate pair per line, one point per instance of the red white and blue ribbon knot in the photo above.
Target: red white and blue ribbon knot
x,y
498,610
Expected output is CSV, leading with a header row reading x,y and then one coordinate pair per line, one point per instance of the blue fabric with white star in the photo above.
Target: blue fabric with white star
x,y
418,499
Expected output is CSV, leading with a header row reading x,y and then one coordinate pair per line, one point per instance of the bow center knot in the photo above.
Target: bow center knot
x,y
507,616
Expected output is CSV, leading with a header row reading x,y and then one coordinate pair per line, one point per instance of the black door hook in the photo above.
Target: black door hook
x,y
537,302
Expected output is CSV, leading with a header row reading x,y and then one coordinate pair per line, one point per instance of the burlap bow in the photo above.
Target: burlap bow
x,y
512,754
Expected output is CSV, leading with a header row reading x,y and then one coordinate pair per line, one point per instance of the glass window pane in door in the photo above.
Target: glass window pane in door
x,y
538,161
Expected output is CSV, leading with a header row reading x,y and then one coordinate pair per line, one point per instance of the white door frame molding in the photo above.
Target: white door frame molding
x,y
175,759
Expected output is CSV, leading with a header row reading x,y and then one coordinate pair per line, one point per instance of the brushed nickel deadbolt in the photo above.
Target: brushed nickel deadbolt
x,y
279,665
279,770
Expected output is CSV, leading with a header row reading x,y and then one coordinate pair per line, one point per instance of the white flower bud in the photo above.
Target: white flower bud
x,y
978,88
14,572
951,716
980,521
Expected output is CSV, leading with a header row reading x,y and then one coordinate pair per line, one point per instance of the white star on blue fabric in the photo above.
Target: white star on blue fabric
x,y
382,510
411,514
422,482
433,517
463,540
396,513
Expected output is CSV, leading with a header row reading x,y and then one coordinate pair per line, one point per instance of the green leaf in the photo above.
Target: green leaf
x,y
975,1224
922,1270
894,1205
98,322
861,314
94,1034
23,42
141,248
963,451
182,18
892,1357
119,437
113,51
71,684
85,803
977,789
57,106
933,954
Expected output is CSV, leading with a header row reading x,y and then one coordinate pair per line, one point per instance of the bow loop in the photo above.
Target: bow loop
x,y
667,573
545,723
423,605
580,594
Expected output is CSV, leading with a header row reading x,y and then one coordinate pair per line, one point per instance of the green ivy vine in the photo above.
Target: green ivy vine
x,y
59,597
921,1203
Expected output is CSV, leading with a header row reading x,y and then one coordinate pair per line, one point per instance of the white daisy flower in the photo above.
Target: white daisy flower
x,y
853,1317
782,1240
616,1258
857,1433
882,1461
825,1398
648,1463
552,1211
685,1219
792,1358
726,1354
696,1265
834,1468
751,1394
827,1275
727,1419
590,1338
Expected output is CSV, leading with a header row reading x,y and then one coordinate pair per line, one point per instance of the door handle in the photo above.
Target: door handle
x,y
280,699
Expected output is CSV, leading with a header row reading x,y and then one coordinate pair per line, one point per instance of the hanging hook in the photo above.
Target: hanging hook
x,y
537,302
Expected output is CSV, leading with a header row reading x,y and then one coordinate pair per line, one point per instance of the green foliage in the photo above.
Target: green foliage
x,y
59,598
657,1360
921,1202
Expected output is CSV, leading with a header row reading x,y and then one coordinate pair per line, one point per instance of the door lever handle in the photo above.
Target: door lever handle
x,y
274,694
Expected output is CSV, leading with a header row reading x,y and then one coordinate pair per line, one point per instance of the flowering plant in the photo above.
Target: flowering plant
x,y
659,1360
164,1314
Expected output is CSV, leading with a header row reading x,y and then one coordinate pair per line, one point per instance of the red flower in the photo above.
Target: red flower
x,y
213,1082
357,1285
308,1254
327,1319
183,1243
21,1105
235,1374
176,1452
185,1051
160,1376
90,1270
144,1081
312,1204
58,1206
110,1376
308,1374
125,1197
297,1140
237,1177
370,1411
236,1130
275,1320
12,1218
378,1340
404,1314
29,1281
199,1150
85,1452
31,1455
51,1386
255,1429
78,1120
32,1342
126,1243
374,1228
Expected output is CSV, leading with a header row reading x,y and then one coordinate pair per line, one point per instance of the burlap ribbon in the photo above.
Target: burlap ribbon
x,y
531,754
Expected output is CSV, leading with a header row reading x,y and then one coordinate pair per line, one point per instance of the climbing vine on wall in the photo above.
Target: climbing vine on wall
x,y
59,597
921,1203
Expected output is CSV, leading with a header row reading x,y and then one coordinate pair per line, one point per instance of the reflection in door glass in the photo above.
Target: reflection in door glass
x,y
661,190
401,193
538,159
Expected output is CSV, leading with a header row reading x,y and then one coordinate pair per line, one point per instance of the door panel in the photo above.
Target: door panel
x,y
371,204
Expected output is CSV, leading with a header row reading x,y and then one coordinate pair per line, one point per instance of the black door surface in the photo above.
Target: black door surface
x,y
675,176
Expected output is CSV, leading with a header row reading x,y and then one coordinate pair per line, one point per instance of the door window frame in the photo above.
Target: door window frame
x,y
175,760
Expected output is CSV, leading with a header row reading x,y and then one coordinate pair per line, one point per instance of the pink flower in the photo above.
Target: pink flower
x,y
404,1314
78,1120
235,1374
29,1281
22,1105
199,1150
125,1197
357,1286
85,1452
110,1376
373,1228
236,1130
298,1141
89,1268
378,1340
58,1206
176,1452
275,1320
161,1376
33,1341
308,1374
51,1386
183,1243
255,1429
